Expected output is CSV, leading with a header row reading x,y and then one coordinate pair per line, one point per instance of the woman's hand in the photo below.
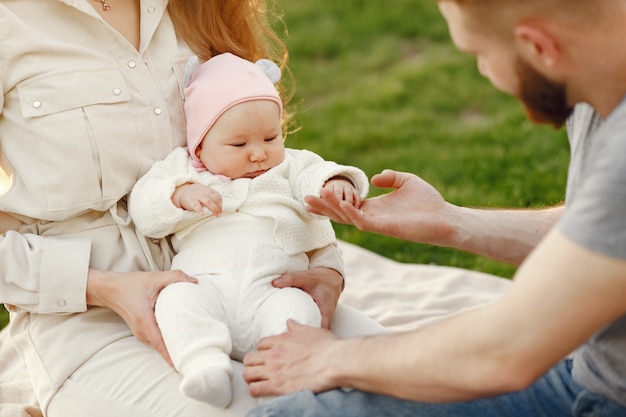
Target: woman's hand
x,y
414,211
324,285
293,361
132,296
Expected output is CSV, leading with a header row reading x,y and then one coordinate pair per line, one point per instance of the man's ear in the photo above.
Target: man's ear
x,y
537,45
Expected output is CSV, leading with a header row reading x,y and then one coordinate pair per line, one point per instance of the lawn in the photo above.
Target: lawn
x,y
380,85
383,87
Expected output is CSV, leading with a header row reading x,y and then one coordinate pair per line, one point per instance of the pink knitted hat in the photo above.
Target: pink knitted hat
x,y
217,85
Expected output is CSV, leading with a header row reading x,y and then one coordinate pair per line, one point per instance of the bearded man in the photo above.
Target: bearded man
x,y
555,344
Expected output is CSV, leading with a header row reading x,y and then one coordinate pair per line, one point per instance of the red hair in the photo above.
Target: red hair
x,y
241,27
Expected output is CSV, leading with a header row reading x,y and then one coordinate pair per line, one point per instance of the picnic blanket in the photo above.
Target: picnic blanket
x,y
16,395
399,296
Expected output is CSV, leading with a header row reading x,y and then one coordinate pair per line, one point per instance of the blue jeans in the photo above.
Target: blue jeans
x,y
553,395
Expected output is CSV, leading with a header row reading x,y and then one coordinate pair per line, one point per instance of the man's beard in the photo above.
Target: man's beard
x,y
545,101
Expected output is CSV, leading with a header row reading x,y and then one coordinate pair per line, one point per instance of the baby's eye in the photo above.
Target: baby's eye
x,y
239,145
270,139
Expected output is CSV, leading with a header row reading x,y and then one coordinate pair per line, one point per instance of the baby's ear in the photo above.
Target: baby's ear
x,y
192,64
270,69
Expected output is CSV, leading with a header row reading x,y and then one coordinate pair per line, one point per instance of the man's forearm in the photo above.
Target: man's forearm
x,y
504,235
417,366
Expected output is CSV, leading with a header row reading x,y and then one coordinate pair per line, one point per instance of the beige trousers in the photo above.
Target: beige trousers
x,y
129,379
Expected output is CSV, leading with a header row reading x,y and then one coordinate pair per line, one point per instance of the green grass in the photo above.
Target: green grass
x,y
380,85
383,87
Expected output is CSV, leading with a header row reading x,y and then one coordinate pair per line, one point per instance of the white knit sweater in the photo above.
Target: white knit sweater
x,y
277,194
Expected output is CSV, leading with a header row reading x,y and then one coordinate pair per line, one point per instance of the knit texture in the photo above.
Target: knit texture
x,y
277,194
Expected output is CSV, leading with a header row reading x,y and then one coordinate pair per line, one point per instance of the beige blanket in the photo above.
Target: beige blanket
x,y
16,396
400,296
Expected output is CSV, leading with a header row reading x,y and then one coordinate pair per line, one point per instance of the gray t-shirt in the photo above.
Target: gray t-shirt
x,y
595,218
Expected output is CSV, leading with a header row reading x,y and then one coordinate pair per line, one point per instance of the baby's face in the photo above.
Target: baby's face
x,y
245,141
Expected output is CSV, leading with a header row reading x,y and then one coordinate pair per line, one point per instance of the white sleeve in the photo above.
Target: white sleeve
x,y
150,204
313,172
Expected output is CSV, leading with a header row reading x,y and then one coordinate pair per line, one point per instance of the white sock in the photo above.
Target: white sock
x,y
210,385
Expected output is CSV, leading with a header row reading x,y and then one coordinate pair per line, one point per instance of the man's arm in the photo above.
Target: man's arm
x,y
416,211
507,235
560,297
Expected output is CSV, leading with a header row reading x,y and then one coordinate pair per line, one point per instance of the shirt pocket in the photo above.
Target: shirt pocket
x,y
86,138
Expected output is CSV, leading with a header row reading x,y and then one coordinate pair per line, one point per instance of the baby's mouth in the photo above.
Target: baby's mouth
x,y
256,173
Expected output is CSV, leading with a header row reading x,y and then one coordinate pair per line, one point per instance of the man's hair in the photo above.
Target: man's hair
x,y
501,16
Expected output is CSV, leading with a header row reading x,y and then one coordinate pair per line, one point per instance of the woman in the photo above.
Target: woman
x,y
92,96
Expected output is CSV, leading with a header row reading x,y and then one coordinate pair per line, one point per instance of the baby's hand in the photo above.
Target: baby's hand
x,y
196,197
344,190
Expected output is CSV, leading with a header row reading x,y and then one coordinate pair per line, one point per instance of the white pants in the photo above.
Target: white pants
x,y
129,379
235,259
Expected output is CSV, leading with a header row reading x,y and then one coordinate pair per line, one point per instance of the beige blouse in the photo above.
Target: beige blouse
x,y
83,115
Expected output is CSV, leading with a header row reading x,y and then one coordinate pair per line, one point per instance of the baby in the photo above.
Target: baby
x,y
234,202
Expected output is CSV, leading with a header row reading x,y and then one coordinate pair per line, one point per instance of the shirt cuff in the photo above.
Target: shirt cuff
x,y
63,278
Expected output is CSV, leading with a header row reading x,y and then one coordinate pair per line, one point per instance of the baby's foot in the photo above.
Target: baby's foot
x,y
209,385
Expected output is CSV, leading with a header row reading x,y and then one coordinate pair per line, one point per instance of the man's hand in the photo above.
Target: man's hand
x,y
413,211
293,361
